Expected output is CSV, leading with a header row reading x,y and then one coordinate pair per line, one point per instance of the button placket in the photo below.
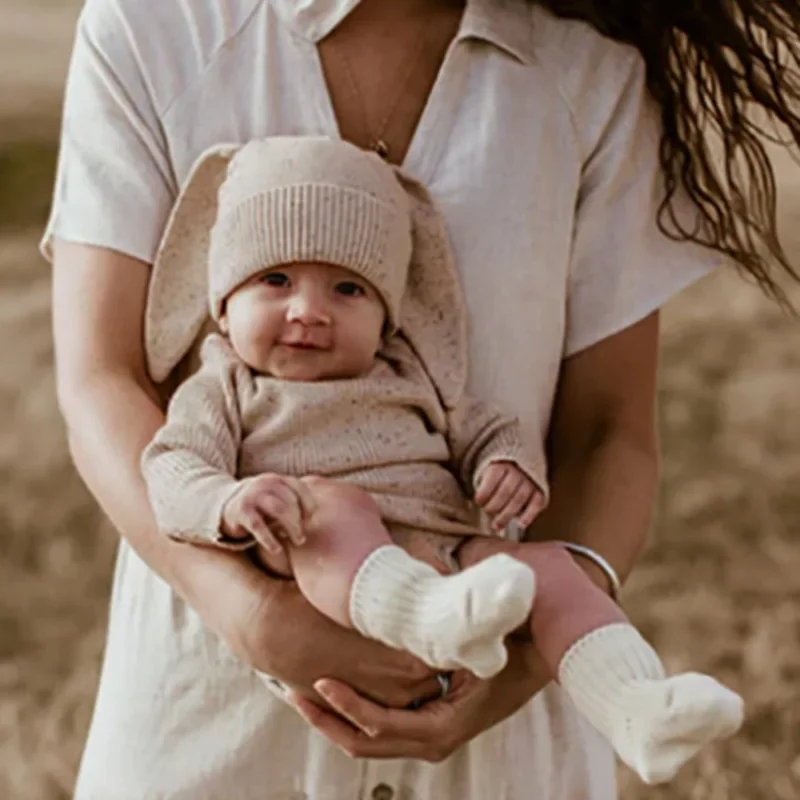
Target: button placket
x,y
382,792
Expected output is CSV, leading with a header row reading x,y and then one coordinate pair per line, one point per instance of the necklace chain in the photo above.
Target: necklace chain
x,y
377,142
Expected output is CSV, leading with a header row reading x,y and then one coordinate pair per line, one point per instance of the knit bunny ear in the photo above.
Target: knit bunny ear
x,y
177,297
433,312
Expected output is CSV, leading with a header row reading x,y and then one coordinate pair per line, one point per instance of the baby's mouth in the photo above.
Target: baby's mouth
x,y
304,346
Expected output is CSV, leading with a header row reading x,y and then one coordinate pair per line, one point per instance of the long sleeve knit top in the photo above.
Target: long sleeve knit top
x,y
386,432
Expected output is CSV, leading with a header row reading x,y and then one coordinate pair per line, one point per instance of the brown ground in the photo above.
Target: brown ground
x,y
719,589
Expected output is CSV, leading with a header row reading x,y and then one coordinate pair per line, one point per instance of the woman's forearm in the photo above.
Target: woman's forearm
x,y
110,419
603,497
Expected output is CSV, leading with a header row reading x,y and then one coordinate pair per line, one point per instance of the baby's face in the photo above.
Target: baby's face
x,y
305,322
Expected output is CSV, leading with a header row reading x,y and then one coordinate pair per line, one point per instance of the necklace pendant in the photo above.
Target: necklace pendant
x,y
381,148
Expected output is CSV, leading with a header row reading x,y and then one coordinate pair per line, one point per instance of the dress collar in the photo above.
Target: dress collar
x,y
313,19
507,24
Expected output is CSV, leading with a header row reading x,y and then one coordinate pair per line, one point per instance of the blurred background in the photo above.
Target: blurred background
x,y
719,588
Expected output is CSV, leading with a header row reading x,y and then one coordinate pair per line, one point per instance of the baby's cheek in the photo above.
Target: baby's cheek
x,y
255,335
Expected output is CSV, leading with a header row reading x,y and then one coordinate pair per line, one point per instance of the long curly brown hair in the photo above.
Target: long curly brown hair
x,y
725,73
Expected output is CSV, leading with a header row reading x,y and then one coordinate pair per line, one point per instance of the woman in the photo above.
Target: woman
x,y
538,139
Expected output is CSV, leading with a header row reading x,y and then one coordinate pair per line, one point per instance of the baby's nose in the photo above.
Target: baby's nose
x,y
309,308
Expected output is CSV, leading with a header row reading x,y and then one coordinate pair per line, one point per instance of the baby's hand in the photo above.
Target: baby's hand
x,y
268,507
506,492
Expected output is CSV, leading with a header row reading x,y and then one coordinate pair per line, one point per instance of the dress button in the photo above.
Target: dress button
x,y
382,792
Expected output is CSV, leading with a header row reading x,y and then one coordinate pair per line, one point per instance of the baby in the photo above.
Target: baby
x,y
328,428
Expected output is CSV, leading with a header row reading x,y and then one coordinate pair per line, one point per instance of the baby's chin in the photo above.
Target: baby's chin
x,y
291,370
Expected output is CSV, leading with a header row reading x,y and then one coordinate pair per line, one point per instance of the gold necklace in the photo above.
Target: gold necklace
x,y
377,141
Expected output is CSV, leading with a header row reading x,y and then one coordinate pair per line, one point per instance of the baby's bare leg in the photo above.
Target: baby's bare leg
x,y
611,674
350,570
342,529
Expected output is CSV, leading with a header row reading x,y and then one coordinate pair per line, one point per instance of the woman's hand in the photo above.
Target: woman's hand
x,y
272,627
363,729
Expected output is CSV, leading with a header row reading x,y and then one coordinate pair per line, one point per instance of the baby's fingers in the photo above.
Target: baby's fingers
x,y
256,525
283,509
532,509
512,508
492,477
304,496
505,493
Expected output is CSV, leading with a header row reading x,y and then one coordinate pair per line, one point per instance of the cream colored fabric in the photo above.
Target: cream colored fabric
x,y
655,723
451,622
386,433
540,149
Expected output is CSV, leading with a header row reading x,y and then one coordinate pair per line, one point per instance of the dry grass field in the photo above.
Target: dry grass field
x,y
719,588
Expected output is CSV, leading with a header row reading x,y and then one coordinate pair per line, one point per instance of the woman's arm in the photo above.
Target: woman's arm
x,y
111,411
110,407
603,449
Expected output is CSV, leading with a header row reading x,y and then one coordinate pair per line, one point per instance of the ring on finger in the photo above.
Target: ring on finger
x,y
445,680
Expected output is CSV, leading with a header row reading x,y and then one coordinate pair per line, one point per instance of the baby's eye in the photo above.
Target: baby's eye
x,y
279,279
349,289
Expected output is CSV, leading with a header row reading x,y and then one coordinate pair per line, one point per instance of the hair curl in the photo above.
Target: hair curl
x,y
725,73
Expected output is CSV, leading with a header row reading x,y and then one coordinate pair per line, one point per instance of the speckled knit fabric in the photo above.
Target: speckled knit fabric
x,y
386,432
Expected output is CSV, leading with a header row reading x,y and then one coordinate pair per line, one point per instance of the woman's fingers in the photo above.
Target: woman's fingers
x,y
329,724
333,727
424,724
436,730
417,683
393,733
358,711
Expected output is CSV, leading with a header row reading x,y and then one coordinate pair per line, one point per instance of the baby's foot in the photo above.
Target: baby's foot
x,y
470,613
452,622
656,724
668,721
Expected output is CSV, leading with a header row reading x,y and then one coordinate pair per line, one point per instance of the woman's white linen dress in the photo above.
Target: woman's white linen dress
x,y
539,147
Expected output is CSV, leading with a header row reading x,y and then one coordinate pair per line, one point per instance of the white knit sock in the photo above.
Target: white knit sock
x,y
655,723
450,622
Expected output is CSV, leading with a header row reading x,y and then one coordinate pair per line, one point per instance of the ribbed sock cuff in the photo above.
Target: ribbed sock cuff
x,y
598,668
386,592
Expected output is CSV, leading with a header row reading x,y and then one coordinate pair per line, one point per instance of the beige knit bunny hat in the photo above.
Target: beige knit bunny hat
x,y
246,208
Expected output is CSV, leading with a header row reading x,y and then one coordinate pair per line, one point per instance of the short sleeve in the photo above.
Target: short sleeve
x,y
114,184
623,267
